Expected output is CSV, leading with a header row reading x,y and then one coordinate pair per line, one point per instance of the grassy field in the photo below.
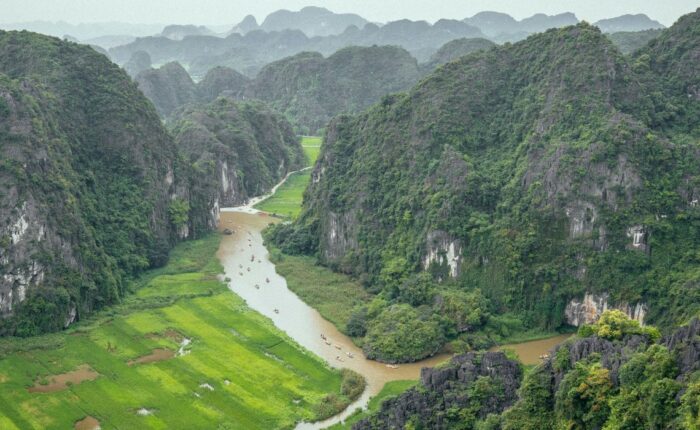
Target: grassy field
x,y
332,294
239,372
287,200
391,389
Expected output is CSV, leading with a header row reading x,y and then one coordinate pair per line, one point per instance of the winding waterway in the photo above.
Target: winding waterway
x,y
252,275
245,250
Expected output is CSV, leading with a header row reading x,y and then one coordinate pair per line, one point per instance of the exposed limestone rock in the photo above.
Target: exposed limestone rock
x,y
443,250
340,237
589,310
448,387
639,236
582,217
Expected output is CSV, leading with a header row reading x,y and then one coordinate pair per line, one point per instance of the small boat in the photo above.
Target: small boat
x,y
350,354
252,258
267,280
277,311
338,358
323,336
228,231
248,269
257,287
328,343
392,366
240,273
338,347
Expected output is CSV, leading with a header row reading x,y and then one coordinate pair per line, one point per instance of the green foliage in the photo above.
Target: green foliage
x,y
401,334
513,159
179,212
310,89
582,399
87,150
615,325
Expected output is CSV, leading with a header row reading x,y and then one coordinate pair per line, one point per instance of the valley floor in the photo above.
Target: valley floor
x,y
286,202
182,352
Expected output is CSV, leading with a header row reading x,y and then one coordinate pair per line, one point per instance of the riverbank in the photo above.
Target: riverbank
x,y
180,352
333,294
267,292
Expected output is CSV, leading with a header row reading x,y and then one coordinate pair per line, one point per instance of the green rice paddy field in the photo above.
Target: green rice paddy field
x,y
287,200
238,372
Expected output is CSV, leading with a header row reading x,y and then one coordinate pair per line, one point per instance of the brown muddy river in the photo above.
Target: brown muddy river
x,y
244,250
253,277
531,352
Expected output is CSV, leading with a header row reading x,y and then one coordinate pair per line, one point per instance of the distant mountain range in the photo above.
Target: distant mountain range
x,y
639,22
316,22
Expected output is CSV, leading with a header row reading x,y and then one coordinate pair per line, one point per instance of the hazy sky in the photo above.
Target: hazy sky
x,y
232,11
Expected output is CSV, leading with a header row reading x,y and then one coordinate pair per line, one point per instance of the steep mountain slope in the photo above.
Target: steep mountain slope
x,y
637,22
630,41
171,87
670,63
248,24
138,62
455,49
93,189
87,179
236,150
539,175
168,87
313,21
311,89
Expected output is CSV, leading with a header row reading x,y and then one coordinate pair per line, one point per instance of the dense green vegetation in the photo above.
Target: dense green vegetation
x,y
630,41
455,49
236,150
624,381
614,375
87,173
286,202
310,89
516,178
170,87
257,377
94,190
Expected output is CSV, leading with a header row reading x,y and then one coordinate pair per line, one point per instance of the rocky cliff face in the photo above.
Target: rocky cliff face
x,y
485,383
589,310
236,150
88,176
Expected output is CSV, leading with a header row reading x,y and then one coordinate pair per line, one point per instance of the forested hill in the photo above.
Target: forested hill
x,y
311,89
93,188
171,87
551,178
308,88
236,150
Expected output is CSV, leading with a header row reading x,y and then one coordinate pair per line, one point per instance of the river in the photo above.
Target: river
x,y
253,276
244,250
